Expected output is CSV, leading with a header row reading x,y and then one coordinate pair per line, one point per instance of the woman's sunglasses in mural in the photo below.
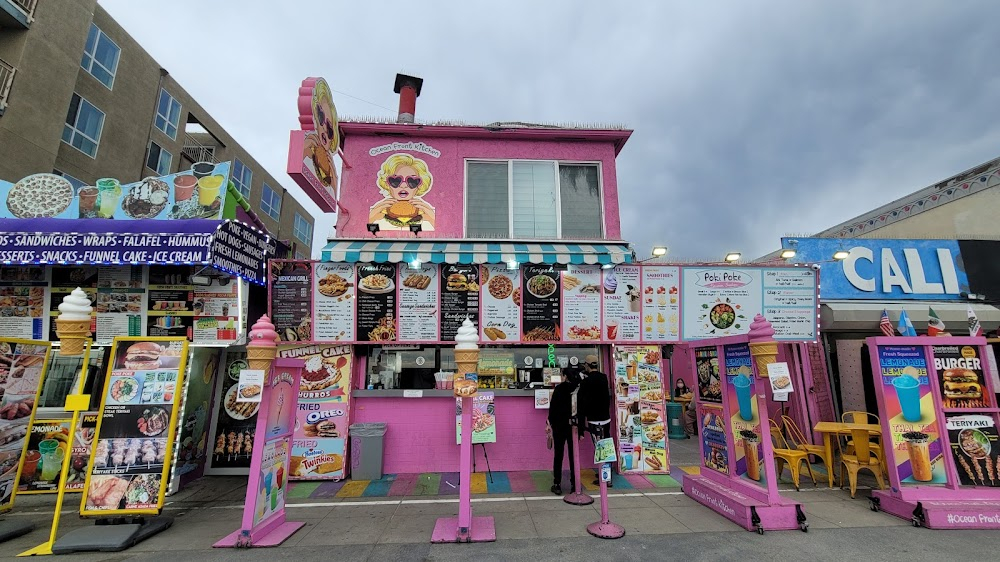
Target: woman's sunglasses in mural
x,y
412,181
325,123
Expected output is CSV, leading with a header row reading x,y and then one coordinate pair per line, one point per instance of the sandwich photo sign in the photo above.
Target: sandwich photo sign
x,y
961,375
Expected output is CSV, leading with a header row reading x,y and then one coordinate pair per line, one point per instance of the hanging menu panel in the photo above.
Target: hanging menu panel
x,y
501,297
291,299
540,303
459,298
581,300
334,292
376,316
622,303
419,316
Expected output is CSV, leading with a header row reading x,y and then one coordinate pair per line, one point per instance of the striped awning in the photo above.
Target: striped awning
x,y
351,251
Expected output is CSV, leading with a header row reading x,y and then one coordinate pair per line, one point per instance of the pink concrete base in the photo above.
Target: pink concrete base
x,y
938,514
275,537
578,499
740,508
446,530
606,530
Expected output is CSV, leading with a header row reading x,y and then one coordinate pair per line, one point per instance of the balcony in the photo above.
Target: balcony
x,y
196,151
6,80
17,13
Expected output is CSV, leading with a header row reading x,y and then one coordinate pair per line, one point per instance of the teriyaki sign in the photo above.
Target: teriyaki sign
x,y
877,269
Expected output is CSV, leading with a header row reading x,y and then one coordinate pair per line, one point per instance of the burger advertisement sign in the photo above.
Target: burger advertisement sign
x,y
960,371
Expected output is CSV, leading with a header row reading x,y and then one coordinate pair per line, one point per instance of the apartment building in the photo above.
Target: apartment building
x,y
80,97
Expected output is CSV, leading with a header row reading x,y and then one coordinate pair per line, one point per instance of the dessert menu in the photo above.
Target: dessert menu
x,y
418,303
459,298
376,308
622,303
334,292
501,302
581,288
540,303
291,299
660,303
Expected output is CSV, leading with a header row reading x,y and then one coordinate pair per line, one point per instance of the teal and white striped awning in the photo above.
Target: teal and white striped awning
x,y
351,251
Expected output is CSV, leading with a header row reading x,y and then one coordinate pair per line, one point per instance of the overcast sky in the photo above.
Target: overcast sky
x,y
752,120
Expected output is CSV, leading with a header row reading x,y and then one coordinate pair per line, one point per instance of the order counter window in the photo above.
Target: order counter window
x,y
420,366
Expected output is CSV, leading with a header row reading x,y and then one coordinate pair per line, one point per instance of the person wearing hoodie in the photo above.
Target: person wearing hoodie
x,y
595,400
562,417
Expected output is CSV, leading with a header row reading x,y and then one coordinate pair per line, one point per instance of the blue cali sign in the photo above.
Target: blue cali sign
x,y
879,269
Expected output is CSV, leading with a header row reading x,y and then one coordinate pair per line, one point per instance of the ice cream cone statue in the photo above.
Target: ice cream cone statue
x,y
73,323
763,348
263,345
467,359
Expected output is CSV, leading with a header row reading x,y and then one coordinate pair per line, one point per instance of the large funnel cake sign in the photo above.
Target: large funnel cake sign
x,y
311,152
198,193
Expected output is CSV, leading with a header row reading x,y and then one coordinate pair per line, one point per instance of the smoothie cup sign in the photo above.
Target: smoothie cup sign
x,y
184,187
109,190
741,383
750,442
918,445
52,463
908,392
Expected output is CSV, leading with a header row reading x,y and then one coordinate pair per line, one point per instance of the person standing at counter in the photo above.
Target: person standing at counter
x,y
595,400
562,416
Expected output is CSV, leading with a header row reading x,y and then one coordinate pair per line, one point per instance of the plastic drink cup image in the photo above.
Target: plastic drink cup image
x,y
109,190
920,455
52,463
31,459
208,189
184,187
268,484
908,392
742,385
750,441
612,328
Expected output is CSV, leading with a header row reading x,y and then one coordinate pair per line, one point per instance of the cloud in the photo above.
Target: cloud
x,y
751,120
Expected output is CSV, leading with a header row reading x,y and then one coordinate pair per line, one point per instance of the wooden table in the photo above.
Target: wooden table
x,y
829,429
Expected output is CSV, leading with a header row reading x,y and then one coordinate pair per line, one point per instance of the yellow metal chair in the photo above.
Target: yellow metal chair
x,y
802,444
856,416
863,457
783,453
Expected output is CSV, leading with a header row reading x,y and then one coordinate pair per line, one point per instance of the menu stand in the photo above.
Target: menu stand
x,y
465,527
577,497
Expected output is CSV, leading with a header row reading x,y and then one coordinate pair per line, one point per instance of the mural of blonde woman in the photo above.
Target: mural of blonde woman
x,y
322,142
403,181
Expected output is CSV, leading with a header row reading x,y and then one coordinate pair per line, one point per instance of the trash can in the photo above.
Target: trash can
x,y
675,413
366,450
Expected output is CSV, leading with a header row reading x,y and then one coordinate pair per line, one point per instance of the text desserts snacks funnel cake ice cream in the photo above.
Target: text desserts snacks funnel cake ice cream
x,y
763,348
466,358
263,344
73,322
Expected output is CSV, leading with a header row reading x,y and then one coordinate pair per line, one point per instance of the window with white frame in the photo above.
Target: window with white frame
x,y
242,177
158,159
533,199
168,114
100,56
270,202
84,123
302,228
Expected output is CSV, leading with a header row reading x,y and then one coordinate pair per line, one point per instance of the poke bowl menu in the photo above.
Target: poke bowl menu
x,y
130,459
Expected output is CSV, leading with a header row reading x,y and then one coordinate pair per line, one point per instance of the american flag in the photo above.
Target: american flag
x,y
886,325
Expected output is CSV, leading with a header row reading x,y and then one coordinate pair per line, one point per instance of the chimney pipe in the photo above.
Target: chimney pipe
x,y
408,88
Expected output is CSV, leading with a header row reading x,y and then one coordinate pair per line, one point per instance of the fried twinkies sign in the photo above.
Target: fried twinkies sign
x,y
312,152
885,269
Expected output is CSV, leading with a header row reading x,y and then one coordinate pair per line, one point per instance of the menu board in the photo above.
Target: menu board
x,y
231,445
622,303
908,401
130,461
23,364
170,309
117,293
660,303
459,297
319,444
581,299
484,426
501,302
960,377
744,411
37,476
975,448
639,396
334,292
216,311
540,304
22,301
789,302
418,303
706,360
715,451
291,299
376,309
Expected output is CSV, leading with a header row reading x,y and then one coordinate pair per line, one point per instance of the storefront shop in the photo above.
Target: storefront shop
x,y
173,262
951,277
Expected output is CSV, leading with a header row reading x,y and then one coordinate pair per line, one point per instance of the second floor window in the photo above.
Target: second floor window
x,y
270,202
100,56
303,229
158,159
84,124
242,178
533,199
168,114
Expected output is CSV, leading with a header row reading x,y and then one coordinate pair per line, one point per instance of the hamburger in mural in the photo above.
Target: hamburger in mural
x,y
403,213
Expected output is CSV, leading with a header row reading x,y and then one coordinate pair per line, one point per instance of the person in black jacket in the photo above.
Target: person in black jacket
x,y
595,400
562,416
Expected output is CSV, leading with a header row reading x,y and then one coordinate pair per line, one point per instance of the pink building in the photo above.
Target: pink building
x,y
471,212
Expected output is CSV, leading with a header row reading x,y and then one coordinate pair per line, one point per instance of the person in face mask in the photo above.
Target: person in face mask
x,y
562,417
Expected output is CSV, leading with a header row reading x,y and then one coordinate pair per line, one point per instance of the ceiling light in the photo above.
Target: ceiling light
x,y
512,264
733,256
415,264
659,251
787,254
841,255
608,266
